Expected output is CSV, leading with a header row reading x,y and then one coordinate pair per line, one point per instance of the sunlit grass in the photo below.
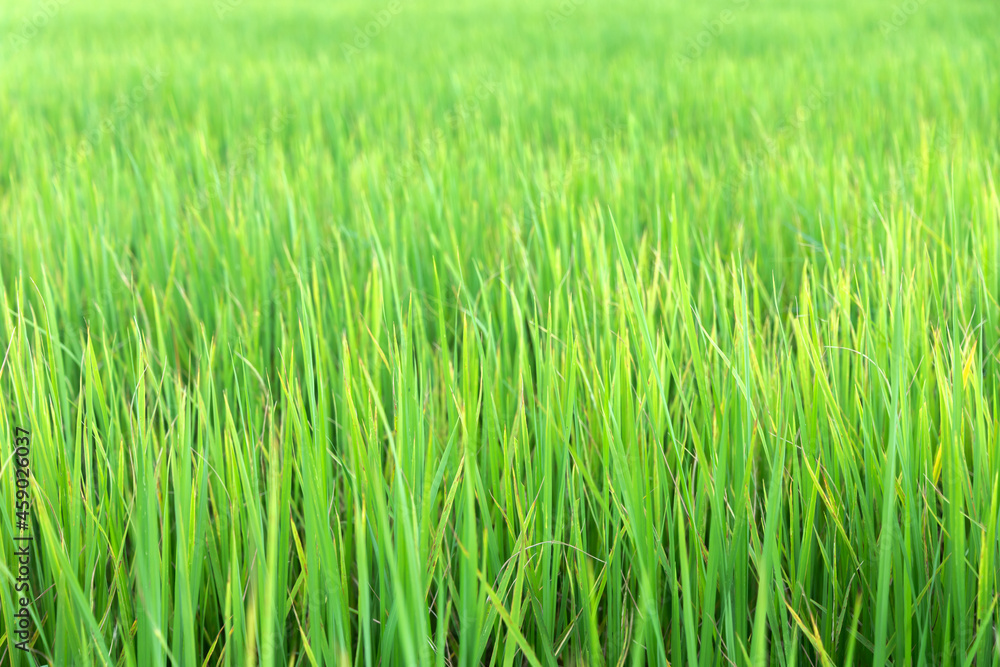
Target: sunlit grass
x,y
506,341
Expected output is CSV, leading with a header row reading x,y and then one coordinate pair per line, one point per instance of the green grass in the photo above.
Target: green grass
x,y
502,342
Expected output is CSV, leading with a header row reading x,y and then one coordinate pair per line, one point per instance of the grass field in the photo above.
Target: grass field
x,y
499,333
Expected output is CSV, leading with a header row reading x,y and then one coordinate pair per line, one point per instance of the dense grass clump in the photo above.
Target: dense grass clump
x,y
502,333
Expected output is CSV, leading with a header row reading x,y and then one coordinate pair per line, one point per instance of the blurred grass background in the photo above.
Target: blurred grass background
x,y
485,345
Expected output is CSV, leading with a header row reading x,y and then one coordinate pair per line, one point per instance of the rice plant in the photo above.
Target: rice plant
x,y
499,333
